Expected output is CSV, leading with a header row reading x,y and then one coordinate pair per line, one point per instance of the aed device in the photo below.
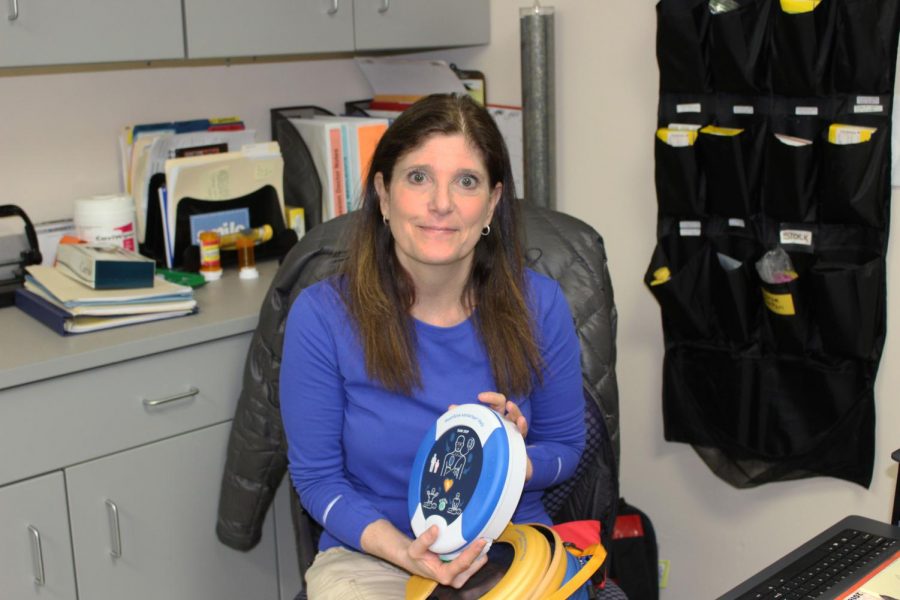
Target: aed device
x,y
467,478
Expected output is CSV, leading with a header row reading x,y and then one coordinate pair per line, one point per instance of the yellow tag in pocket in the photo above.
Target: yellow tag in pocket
x,y
661,275
780,304
678,138
721,131
796,7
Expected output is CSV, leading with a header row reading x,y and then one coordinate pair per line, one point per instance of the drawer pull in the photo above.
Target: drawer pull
x,y
385,6
334,7
115,537
157,401
13,10
37,555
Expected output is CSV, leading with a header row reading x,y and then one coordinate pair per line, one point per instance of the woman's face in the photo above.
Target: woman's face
x,y
440,200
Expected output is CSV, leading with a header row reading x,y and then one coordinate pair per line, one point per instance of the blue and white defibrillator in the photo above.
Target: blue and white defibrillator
x,y
467,478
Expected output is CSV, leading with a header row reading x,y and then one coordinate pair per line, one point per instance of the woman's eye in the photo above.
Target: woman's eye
x,y
468,182
417,177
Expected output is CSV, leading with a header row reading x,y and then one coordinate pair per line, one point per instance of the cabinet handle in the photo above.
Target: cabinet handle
x,y
157,401
115,537
385,6
13,10
334,7
37,555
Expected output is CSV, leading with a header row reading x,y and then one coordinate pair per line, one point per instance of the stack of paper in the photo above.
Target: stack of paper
x,y
145,148
341,149
67,306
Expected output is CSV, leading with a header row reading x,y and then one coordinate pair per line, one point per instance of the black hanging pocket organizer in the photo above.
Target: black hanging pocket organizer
x,y
773,381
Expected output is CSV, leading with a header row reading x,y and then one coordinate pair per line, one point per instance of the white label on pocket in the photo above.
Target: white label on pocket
x,y
798,237
868,100
693,107
689,228
806,111
736,223
868,108
742,109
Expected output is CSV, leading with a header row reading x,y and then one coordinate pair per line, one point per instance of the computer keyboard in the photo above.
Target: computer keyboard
x,y
822,568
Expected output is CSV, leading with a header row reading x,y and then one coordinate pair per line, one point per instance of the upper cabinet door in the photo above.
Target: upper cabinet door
x,y
227,28
396,24
38,32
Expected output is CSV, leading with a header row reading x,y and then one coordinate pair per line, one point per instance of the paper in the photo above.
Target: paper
x,y
509,122
406,80
883,584
71,293
360,137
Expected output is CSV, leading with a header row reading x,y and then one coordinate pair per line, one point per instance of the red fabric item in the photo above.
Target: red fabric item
x,y
580,533
628,526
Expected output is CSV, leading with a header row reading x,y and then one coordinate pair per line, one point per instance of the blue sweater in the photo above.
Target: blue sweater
x,y
351,443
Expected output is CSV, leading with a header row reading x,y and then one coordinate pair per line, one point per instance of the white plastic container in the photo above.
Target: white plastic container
x,y
108,219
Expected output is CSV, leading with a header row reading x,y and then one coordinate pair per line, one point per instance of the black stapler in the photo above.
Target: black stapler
x,y
16,254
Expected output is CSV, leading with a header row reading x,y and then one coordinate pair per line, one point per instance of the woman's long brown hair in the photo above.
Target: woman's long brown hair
x,y
379,293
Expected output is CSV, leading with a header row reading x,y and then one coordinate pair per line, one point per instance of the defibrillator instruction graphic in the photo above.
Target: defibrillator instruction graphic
x,y
454,467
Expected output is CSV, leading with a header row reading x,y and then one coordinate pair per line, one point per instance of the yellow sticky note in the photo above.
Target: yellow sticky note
x,y
843,135
661,275
796,7
723,131
677,138
780,304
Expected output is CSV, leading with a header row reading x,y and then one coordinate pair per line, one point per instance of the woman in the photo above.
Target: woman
x,y
434,307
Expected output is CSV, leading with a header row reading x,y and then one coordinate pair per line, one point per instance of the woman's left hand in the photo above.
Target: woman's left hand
x,y
510,411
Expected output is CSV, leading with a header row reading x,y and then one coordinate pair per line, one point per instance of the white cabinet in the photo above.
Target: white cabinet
x,y
35,554
399,24
143,525
39,32
225,28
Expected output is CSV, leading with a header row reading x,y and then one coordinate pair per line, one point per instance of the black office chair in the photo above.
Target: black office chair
x,y
556,245
895,515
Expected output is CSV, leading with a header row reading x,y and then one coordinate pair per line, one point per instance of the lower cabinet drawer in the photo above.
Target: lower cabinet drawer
x,y
66,420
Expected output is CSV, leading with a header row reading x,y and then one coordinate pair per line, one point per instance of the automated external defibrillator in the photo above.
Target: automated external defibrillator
x,y
467,479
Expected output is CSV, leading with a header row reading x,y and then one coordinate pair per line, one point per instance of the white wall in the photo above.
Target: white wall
x,y
58,141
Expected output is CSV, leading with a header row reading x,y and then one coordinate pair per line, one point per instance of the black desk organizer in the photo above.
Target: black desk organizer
x,y
763,396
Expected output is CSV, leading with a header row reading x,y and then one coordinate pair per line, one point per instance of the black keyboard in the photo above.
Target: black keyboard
x,y
824,567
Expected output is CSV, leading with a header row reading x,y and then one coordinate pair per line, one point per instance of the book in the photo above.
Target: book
x,y
105,267
69,292
64,323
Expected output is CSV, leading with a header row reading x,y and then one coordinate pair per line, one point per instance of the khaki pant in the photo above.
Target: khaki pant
x,y
342,574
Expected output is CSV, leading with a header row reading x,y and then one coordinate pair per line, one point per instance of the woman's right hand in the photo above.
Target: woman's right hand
x,y
454,573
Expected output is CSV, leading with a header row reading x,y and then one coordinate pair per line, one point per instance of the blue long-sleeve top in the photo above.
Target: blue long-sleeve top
x,y
351,443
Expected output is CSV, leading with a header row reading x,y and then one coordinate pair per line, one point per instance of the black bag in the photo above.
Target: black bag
x,y
633,556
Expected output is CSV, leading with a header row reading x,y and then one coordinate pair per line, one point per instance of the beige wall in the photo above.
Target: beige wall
x,y
58,141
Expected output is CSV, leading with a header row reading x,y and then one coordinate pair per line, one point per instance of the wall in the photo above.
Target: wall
x,y
58,141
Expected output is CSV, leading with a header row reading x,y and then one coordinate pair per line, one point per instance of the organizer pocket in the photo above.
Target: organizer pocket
x,y
734,287
677,180
852,182
770,408
736,46
680,49
679,279
786,313
790,180
863,46
847,308
730,165
799,50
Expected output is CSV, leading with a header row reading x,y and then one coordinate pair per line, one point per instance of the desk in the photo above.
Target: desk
x,y
112,447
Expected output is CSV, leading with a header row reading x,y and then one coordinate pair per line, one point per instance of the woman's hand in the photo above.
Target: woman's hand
x,y
510,411
454,573
385,541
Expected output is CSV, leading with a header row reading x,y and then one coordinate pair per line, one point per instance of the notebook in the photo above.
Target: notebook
x,y
854,559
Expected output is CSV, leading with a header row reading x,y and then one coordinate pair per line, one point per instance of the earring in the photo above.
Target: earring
x,y
486,230
384,219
